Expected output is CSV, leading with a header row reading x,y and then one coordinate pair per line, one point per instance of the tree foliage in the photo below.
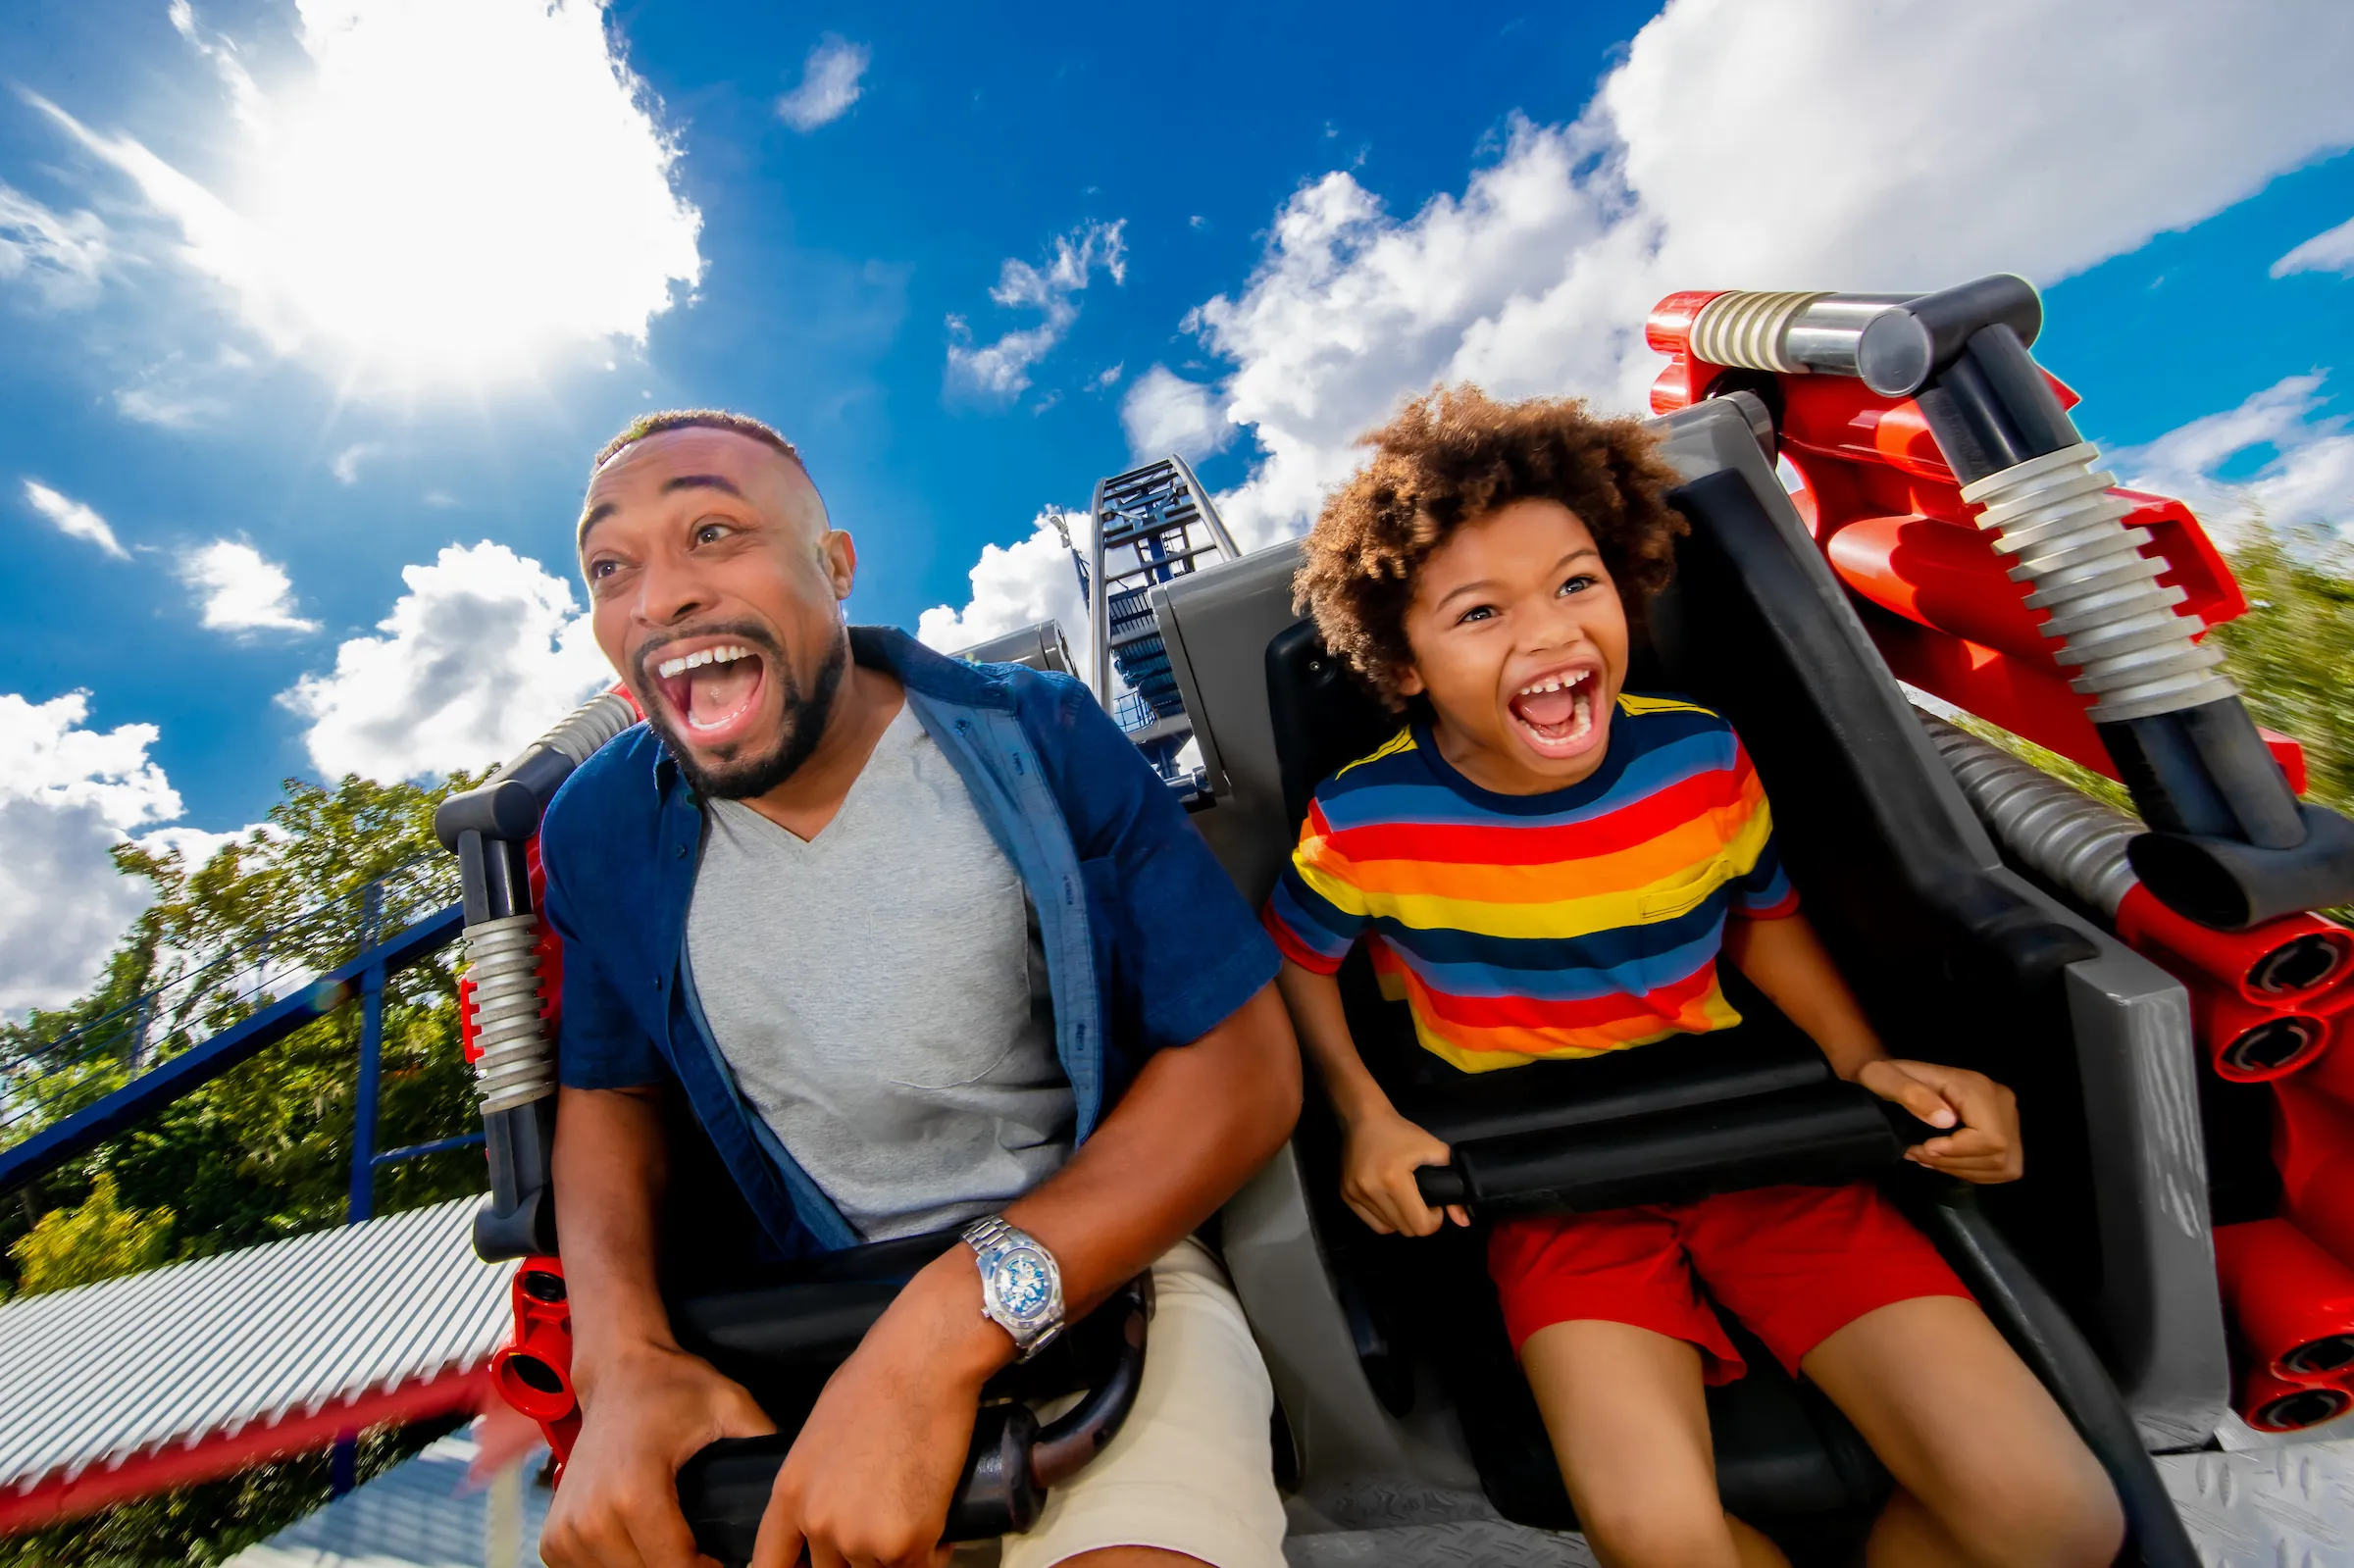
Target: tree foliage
x,y
263,1152
96,1239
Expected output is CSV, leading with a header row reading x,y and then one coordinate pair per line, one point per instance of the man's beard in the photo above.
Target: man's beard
x,y
800,722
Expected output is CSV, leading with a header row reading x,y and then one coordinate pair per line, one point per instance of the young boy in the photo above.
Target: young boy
x,y
1550,867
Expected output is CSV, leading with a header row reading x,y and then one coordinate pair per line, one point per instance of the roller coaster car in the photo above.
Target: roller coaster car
x,y
1956,959
1388,1356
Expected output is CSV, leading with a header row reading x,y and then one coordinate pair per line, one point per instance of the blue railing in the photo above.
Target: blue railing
x,y
396,921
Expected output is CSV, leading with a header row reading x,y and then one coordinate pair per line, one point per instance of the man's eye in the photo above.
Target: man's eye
x,y
598,571
711,533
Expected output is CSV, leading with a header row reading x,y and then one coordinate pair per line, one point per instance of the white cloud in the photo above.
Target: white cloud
x,y
2307,480
829,85
347,465
1882,174
1020,585
1166,413
1001,369
62,256
2329,251
73,519
240,589
67,795
444,190
482,653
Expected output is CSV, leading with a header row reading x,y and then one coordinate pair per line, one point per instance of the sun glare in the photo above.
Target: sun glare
x,y
440,191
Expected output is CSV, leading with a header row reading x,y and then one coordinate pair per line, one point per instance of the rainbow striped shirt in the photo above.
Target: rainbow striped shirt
x,y
1567,924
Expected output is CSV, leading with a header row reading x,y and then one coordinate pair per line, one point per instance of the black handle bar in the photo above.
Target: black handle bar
x,y
724,1490
1444,1184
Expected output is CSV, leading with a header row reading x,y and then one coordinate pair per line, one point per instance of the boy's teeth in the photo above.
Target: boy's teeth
x,y
1552,683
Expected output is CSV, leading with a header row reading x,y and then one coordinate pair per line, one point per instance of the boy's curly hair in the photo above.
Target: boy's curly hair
x,y
1457,454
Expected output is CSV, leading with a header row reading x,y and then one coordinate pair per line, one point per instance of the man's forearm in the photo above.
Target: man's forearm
x,y
1197,1121
611,1167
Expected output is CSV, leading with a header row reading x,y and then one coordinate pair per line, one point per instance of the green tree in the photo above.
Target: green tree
x,y
96,1239
2293,651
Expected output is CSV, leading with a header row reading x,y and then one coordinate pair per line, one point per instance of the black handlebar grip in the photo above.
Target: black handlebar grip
x,y
1910,1130
1441,1184
724,1490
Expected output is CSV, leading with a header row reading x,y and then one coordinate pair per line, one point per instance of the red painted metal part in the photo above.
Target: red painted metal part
x,y
2291,1302
1892,522
213,1456
533,1371
2275,1404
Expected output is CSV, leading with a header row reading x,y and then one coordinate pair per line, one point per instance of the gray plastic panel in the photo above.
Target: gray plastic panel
x,y
2161,1318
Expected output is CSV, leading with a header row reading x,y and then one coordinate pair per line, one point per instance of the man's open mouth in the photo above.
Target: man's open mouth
x,y
712,690
1554,713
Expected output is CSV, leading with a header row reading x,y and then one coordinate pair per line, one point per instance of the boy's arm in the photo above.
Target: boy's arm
x,y
1380,1149
1785,959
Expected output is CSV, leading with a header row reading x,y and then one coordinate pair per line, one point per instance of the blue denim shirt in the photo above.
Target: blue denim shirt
x,y
1148,943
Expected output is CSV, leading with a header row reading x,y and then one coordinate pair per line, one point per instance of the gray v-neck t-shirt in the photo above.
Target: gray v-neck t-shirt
x,y
881,994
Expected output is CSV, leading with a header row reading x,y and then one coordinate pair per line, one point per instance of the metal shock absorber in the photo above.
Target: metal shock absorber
x,y
2056,517
2229,845
490,830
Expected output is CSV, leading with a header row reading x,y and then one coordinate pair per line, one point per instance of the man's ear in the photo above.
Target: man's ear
x,y
841,557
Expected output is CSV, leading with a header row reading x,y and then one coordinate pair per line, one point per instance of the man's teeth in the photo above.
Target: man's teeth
x,y
1553,683
669,668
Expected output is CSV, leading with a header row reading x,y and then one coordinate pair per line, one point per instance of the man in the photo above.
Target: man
x,y
918,943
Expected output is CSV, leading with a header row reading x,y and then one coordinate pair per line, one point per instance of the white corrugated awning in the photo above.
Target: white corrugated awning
x,y
207,1350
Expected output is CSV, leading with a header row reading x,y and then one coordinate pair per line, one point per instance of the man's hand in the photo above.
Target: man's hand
x,y
649,1413
1380,1152
1985,1148
870,1478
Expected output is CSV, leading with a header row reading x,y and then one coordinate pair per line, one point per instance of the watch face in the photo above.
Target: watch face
x,y
1025,1288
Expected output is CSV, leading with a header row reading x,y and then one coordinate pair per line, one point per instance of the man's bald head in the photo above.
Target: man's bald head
x,y
716,581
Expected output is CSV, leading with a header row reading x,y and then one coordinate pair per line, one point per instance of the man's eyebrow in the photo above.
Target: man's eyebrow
x,y
682,481
701,481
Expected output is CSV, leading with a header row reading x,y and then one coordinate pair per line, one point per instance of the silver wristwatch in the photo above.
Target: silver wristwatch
x,y
1021,1289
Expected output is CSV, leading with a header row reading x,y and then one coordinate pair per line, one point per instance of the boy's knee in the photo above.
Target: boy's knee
x,y
1640,1534
2061,1518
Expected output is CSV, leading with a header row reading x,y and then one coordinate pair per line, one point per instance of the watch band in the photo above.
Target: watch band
x,y
1032,1325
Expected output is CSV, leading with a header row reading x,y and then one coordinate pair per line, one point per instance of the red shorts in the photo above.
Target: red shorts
x,y
1795,1264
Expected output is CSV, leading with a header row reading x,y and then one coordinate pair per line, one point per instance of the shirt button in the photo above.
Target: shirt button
x,y
681,849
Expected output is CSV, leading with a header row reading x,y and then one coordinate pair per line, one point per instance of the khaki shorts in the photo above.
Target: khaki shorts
x,y
1191,1471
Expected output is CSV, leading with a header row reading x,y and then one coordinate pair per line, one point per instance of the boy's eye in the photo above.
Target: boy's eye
x,y
1478,612
1576,585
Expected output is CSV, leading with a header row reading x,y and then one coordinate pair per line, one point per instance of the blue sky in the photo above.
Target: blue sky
x,y
295,298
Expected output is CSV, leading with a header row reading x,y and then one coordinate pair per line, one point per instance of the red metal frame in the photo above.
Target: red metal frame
x,y
1941,606
212,1456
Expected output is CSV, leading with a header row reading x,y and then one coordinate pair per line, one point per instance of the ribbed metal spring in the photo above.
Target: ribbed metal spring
x,y
2116,625
2054,829
589,727
1745,328
516,1066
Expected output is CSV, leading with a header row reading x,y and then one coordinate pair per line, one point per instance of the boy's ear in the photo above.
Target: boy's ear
x,y
1409,680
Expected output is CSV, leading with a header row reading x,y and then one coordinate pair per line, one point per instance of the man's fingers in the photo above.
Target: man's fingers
x,y
779,1543
1458,1214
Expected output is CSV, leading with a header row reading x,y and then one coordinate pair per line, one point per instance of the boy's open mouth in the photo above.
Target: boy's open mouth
x,y
1555,711
713,690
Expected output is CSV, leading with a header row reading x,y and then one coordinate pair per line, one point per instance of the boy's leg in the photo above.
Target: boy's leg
x,y
1624,1409
1991,1469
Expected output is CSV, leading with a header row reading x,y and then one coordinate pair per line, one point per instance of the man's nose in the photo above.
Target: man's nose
x,y
670,591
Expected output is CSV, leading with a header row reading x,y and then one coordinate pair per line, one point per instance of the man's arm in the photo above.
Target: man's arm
x,y
647,1405
869,1478
1785,959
